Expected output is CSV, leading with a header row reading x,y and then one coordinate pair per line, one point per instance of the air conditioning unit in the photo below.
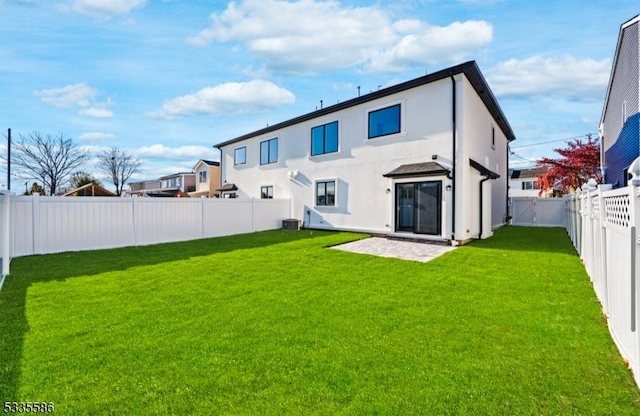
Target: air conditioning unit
x,y
291,224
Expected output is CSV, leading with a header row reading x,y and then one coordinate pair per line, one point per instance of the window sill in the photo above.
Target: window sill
x,y
268,166
381,139
326,207
325,156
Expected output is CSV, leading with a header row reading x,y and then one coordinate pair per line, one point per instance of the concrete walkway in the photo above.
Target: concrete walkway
x,y
404,250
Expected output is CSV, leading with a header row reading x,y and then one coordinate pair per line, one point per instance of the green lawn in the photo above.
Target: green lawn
x,y
275,323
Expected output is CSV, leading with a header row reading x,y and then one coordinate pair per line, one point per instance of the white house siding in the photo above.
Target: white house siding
x,y
362,200
516,191
365,198
620,121
475,127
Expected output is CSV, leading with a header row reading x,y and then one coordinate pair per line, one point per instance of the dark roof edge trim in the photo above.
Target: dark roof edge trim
x,y
470,69
483,171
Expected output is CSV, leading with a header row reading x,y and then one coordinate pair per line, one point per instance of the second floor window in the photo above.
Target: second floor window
x,y
269,151
240,156
202,176
172,183
324,139
385,121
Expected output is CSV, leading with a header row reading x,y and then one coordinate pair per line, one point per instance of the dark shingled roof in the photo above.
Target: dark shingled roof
x,y
227,187
211,162
469,69
418,169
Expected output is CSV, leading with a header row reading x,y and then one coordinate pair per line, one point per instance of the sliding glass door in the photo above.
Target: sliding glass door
x,y
419,208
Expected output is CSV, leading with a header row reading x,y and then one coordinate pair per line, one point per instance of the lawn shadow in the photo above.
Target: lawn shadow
x,y
61,266
530,239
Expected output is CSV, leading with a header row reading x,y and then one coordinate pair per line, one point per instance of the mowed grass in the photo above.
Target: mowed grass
x,y
276,323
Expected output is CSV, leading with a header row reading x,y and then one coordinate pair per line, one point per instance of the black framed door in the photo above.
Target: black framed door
x,y
419,208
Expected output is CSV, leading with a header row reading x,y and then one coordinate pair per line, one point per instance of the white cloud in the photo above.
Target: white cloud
x,y
568,77
76,95
68,96
315,36
430,44
232,97
104,8
160,151
96,136
97,112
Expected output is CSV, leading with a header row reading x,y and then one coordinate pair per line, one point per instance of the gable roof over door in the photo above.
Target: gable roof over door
x,y
469,69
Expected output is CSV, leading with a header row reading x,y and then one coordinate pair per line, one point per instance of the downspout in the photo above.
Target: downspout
x,y
453,158
486,178
506,199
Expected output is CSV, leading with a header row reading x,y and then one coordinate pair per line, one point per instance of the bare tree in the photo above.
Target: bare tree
x,y
48,159
118,165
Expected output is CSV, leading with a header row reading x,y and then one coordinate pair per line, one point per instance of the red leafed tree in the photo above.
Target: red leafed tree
x,y
579,162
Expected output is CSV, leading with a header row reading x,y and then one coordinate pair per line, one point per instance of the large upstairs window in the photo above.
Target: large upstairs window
x,y
324,139
269,151
240,156
385,121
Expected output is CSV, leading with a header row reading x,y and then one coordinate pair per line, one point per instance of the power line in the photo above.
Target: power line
x,y
557,140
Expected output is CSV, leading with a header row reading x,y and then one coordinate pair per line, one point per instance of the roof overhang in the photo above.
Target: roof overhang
x,y
483,171
227,187
418,169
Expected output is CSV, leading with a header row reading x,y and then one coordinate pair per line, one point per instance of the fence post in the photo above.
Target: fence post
x,y
35,221
603,249
202,198
134,218
634,219
6,236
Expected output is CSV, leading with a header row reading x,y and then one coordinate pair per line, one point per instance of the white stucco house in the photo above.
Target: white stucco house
x,y
426,158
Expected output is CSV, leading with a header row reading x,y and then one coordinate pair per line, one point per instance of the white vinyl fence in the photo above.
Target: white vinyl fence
x,y
537,212
45,224
602,224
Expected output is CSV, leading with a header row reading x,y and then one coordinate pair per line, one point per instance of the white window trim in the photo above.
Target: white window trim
x,y
403,124
315,195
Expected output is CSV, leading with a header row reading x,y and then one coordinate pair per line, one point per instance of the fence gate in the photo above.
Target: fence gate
x,y
538,212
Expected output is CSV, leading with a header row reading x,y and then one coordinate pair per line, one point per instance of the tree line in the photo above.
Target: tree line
x,y
55,160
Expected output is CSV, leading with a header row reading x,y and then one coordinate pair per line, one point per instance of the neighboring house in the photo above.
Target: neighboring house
x,y
178,184
524,182
143,187
425,158
207,179
620,120
90,189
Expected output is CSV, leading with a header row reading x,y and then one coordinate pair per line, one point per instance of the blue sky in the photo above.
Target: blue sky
x,y
166,80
